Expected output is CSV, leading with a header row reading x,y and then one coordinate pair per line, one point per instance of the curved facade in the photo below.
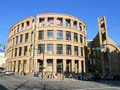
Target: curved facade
x,y
54,42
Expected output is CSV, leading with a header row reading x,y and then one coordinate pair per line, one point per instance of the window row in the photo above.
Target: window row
x,y
23,26
59,35
60,49
60,22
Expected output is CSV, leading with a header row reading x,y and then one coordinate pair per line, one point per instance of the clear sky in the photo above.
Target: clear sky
x,y
12,11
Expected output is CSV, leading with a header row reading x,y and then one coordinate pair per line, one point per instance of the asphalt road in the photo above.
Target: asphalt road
x,y
34,83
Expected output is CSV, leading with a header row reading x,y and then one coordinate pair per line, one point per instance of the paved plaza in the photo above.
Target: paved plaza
x,y
34,83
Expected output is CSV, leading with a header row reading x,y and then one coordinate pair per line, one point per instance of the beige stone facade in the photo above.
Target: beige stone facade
x,y
53,41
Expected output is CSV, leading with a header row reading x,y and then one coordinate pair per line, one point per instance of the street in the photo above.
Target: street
x,y
14,82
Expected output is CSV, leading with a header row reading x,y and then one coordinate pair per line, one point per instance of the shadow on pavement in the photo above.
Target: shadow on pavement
x,y
3,88
109,83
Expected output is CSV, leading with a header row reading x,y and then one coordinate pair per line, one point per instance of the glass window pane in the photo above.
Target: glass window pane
x,y
59,21
26,37
75,37
75,24
16,39
67,23
21,38
81,38
59,49
59,35
50,34
81,51
76,50
68,35
50,48
68,49
41,35
51,20
40,48
41,20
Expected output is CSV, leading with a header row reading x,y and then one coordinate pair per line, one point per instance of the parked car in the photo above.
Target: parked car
x,y
9,73
2,72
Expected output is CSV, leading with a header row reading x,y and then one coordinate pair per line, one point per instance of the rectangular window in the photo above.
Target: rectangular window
x,y
67,23
16,39
28,23
15,52
59,21
59,49
41,48
20,51
26,37
81,38
22,27
21,38
68,49
59,35
80,27
41,20
75,37
50,21
81,51
25,50
41,35
50,48
75,25
50,34
68,35
76,50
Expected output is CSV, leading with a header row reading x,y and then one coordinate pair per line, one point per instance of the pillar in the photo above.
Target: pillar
x,y
73,65
64,65
35,65
21,66
54,65
16,67
64,22
80,67
45,65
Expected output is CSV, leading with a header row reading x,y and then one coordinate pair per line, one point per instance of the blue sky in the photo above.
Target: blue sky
x,y
12,11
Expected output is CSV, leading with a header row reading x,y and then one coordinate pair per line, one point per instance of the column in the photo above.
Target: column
x,y
25,25
72,36
54,49
71,23
21,66
72,50
73,65
12,65
64,65
45,64
79,51
55,21
64,35
35,65
64,23
84,69
80,67
16,67
54,65
64,49
45,35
